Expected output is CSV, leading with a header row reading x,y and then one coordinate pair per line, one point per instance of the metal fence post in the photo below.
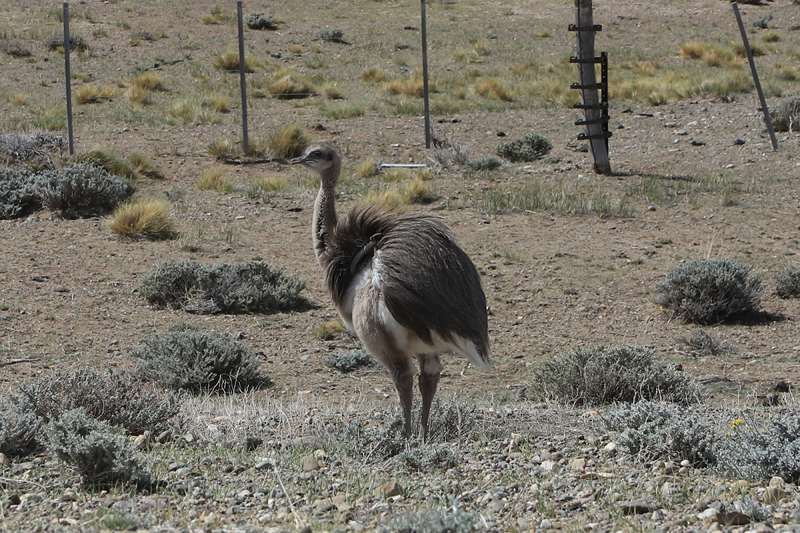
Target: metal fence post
x,y
425,82
756,81
67,77
242,79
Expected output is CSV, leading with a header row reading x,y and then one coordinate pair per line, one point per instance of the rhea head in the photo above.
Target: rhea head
x,y
324,159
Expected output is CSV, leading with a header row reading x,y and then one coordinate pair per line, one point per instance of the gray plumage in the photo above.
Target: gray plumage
x,y
400,282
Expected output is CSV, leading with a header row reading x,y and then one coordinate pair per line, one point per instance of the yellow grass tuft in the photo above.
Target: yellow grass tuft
x,y
494,90
229,61
416,191
110,161
771,37
18,99
329,330
150,81
332,92
408,87
213,179
367,169
289,86
374,75
222,149
288,142
219,103
92,94
143,166
217,16
270,184
711,54
143,218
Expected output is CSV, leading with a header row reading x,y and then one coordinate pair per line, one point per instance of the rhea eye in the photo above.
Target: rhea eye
x,y
316,154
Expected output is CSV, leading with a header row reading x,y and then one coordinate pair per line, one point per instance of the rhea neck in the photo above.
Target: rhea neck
x,y
325,210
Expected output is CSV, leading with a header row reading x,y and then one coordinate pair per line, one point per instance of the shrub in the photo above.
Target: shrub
x,y
19,429
701,343
18,195
33,148
606,374
14,48
192,360
788,283
761,449
117,398
143,218
329,330
710,291
449,155
657,430
222,150
332,36
786,116
223,288
349,361
452,520
102,457
429,458
288,142
484,164
111,162
530,148
81,190
259,21
76,42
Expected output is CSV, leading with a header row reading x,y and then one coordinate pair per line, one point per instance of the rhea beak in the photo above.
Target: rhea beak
x,y
298,160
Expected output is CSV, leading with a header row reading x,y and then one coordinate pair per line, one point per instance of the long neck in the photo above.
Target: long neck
x,y
324,213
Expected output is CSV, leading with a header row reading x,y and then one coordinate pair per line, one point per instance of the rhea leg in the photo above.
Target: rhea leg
x,y
430,369
402,374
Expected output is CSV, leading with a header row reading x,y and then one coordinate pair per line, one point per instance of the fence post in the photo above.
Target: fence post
x,y
756,81
595,111
425,83
242,79
67,76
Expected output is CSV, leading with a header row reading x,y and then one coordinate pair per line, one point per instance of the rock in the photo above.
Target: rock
x,y
637,507
548,466
577,464
140,441
545,524
3,459
739,142
251,443
390,488
709,516
610,448
777,482
163,436
773,495
696,142
264,464
733,518
310,463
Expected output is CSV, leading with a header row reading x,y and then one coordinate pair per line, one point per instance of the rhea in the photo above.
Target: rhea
x,y
401,284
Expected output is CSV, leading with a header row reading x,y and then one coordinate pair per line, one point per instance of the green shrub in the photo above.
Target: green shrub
x,y
332,36
19,429
786,116
17,193
607,374
530,148
710,291
117,398
701,343
453,520
35,149
788,283
111,162
222,288
76,43
102,457
185,358
81,190
484,164
349,361
259,21
429,458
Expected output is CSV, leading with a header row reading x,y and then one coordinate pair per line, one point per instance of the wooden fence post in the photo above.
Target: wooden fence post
x,y
595,111
425,79
67,78
242,79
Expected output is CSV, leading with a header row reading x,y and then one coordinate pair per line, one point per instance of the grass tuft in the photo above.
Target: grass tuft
x,y
288,142
143,218
214,179
92,94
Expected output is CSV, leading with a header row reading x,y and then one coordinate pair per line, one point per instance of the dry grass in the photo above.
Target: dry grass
x,y
788,73
658,87
332,92
92,94
191,111
150,81
771,37
711,54
367,169
415,191
408,87
143,218
229,62
138,95
270,184
327,331
222,149
214,179
494,90
217,16
341,110
289,85
374,75
143,166
219,103
18,99
290,141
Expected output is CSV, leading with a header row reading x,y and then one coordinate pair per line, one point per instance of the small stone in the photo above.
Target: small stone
x,y
773,495
390,488
548,466
3,459
739,142
686,462
777,482
264,464
733,518
696,142
577,464
163,436
140,441
651,207
709,516
610,448
545,524
310,463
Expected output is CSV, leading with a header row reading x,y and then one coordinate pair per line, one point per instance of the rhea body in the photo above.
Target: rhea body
x,y
401,284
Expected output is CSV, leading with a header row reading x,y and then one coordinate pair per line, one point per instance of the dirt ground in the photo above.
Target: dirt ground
x,y
553,281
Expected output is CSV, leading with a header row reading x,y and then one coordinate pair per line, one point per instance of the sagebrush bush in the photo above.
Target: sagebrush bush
x,y
607,374
349,361
332,35
710,291
701,343
76,42
117,398
786,116
81,190
102,457
222,288
530,148
658,430
19,429
429,458
17,193
453,520
788,283
199,361
32,148
484,164
112,163
259,21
